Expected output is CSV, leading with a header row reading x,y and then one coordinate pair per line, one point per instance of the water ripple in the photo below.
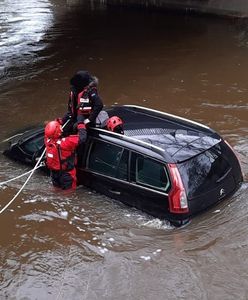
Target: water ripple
x,y
24,25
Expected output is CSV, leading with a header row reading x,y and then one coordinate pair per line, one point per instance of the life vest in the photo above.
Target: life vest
x,y
84,101
57,158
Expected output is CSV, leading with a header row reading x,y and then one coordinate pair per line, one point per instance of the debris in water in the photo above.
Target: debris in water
x,y
145,257
64,214
103,250
80,229
157,251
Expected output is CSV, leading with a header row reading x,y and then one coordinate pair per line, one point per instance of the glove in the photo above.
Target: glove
x,y
81,126
80,119
86,121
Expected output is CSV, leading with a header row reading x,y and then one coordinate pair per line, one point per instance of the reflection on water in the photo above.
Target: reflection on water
x,y
23,25
84,245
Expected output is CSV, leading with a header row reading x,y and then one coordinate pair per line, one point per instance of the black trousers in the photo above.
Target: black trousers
x,y
62,179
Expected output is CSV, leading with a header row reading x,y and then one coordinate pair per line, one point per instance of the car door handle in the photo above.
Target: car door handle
x,y
115,192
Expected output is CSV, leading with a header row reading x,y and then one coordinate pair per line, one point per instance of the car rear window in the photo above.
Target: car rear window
x,y
203,172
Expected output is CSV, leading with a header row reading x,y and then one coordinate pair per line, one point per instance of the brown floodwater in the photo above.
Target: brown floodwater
x,y
83,245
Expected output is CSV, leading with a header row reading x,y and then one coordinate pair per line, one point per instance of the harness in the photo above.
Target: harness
x,y
55,160
82,104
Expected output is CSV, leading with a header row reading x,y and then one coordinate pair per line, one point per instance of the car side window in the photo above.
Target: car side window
x,y
122,171
108,159
148,172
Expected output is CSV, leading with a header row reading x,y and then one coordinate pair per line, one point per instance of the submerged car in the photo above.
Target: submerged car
x,y
167,166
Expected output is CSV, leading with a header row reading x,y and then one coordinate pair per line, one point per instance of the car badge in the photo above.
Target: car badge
x,y
222,192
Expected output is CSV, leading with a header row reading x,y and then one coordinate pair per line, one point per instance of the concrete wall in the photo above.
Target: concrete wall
x,y
237,8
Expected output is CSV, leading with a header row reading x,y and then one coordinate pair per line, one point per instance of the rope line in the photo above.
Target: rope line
x,y
19,176
17,194
31,173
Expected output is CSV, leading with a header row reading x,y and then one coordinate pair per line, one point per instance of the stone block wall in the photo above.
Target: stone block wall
x,y
238,8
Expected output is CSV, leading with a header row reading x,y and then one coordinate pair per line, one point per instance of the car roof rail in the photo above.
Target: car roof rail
x,y
138,142
164,114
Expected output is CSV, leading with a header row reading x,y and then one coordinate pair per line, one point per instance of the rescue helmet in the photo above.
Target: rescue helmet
x,y
115,124
53,130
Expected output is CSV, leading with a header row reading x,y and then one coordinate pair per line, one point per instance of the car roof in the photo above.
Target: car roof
x,y
174,139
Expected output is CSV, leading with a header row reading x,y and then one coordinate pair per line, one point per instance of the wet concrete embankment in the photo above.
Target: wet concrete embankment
x,y
237,8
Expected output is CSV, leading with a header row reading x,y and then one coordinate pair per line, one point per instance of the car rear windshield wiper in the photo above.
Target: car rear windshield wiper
x,y
224,176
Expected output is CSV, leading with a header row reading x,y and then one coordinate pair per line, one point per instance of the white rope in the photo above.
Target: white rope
x,y
19,176
31,173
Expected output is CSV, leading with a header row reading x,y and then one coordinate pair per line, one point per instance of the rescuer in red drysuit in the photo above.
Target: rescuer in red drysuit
x,y
61,154
84,102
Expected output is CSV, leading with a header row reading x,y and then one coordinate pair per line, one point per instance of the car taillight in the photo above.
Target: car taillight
x,y
178,202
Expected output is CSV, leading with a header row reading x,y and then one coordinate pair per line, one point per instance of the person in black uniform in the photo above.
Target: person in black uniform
x,y
84,102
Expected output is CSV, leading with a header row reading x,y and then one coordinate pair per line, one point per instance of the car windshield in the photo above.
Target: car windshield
x,y
33,145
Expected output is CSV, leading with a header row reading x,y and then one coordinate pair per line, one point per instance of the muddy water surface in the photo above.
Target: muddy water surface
x,y
84,245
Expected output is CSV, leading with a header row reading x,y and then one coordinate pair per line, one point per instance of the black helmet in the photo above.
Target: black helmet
x,y
80,80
